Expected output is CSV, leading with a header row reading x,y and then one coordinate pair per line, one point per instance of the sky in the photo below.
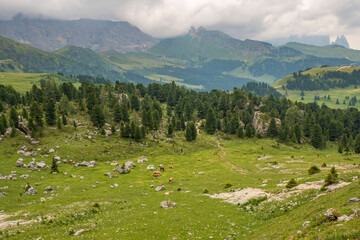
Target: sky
x,y
243,19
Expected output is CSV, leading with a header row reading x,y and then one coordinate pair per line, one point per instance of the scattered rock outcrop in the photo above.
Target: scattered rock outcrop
x,y
167,204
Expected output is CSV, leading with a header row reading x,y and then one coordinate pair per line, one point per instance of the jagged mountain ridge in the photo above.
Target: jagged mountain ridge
x,y
97,35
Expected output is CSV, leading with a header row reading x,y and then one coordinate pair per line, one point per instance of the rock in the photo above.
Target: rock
x,y
152,186
332,214
167,204
142,159
83,164
354,200
260,125
8,131
41,165
34,142
160,188
114,163
78,232
22,127
201,173
305,224
19,162
151,167
57,147
129,164
92,164
1,195
122,169
21,152
24,148
344,218
31,191
48,188
108,133
51,150
57,158
116,185
107,174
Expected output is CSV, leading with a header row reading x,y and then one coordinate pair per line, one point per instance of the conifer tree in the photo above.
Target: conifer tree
x,y
357,144
97,116
36,114
210,122
14,119
64,120
59,123
272,129
240,132
297,133
50,112
190,132
316,136
137,133
170,129
249,131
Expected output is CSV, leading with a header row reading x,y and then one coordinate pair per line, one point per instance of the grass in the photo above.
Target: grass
x,y
132,210
22,82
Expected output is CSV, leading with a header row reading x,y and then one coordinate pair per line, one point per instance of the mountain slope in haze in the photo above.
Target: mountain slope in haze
x,y
36,60
201,43
98,35
332,51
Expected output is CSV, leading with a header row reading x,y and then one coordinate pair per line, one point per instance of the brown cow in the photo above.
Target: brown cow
x,y
151,154
170,167
199,159
171,179
162,167
156,174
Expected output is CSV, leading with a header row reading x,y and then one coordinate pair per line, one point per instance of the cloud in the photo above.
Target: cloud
x,y
255,19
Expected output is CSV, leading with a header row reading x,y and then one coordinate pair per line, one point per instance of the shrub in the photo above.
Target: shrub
x,y
228,185
313,169
292,183
206,191
332,177
96,205
323,165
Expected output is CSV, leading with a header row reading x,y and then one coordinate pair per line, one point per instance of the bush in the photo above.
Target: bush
x,y
206,191
323,165
96,205
292,183
332,177
313,170
228,185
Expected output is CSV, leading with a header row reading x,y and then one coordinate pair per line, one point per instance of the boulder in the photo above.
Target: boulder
x,y
331,214
92,164
83,164
22,127
34,142
48,188
19,162
114,163
57,158
261,125
201,173
167,204
51,150
31,191
41,164
142,159
151,167
354,200
160,188
122,169
108,133
129,164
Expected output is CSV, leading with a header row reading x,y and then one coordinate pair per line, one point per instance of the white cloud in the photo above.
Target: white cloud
x,y
254,19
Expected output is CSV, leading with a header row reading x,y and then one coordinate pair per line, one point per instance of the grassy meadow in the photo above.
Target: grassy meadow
x,y
132,209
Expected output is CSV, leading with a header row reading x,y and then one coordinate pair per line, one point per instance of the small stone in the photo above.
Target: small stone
x,y
160,188
201,173
305,224
31,191
51,150
167,204
116,185
354,200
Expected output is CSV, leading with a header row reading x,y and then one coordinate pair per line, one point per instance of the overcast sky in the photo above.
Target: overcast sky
x,y
253,19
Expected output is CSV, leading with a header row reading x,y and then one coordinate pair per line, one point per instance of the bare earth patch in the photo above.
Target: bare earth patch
x,y
242,196
12,223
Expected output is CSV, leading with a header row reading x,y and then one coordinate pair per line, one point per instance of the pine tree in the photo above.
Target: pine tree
x,y
50,112
210,122
54,167
297,133
332,177
272,129
240,132
190,132
337,101
249,131
117,113
64,120
36,114
316,136
97,116
14,119
357,144
137,133
134,102
74,124
170,129
25,114
59,123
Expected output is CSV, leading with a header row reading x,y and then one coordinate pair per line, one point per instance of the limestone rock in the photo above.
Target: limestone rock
x,y
261,125
354,200
129,164
160,188
122,169
31,191
332,214
142,159
167,204
151,167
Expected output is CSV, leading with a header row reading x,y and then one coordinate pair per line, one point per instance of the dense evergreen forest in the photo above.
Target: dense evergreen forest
x,y
329,79
138,110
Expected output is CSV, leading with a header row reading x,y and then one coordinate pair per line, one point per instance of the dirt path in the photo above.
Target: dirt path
x,y
233,167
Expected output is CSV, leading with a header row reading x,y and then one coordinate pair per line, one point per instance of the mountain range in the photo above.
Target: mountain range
x,y
200,59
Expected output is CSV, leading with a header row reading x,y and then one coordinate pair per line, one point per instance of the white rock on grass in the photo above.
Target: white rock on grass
x,y
160,188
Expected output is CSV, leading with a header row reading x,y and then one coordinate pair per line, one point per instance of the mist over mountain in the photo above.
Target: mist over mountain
x,y
97,35
341,41
310,40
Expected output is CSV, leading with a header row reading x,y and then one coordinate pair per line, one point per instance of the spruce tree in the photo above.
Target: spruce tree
x,y
357,144
190,132
170,129
240,132
50,112
249,131
297,133
272,129
137,133
14,119
64,120
210,122
117,113
97,116
316,136
59,123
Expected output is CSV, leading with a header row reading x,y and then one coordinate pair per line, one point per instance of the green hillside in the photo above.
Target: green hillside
x,y
342,95
332,51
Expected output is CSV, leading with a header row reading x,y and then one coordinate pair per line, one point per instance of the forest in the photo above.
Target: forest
x,y
137,110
